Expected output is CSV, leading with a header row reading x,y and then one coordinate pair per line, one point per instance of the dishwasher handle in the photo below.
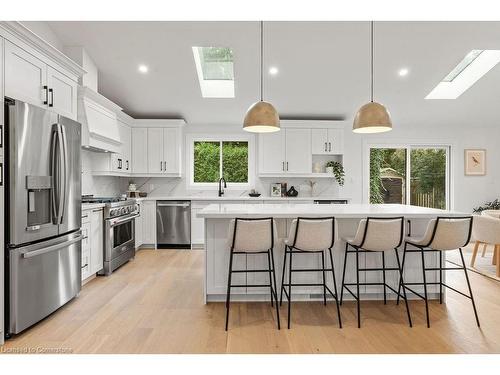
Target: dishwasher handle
x,y
183,205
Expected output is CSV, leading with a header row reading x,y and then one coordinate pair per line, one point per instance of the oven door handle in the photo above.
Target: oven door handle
x,y
114,222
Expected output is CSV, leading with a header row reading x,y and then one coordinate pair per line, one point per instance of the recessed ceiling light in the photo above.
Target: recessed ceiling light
x,y
143,68
273,70
403,72
473,66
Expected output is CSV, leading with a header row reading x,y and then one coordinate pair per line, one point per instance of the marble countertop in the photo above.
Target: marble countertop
x,y
91,206
214,197
220,211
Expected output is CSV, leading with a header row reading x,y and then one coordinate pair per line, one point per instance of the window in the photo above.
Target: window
x,y
416,175
214,66
214,159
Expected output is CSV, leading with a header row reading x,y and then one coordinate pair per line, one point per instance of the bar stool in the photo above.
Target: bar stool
x,y
252,237
442,234
379,235
310,236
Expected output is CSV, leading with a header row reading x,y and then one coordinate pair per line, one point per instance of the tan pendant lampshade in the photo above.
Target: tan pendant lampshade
x,y
372,118
261,117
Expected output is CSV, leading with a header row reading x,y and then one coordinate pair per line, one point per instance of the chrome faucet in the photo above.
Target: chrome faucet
x,y
221,189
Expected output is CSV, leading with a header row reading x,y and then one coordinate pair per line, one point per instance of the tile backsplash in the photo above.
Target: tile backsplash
x,y
98,185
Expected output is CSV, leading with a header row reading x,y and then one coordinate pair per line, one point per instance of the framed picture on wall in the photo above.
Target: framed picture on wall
x,y
475,162
275,190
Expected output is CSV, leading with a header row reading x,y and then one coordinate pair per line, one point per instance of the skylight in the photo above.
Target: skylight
x,y
214,66
474,65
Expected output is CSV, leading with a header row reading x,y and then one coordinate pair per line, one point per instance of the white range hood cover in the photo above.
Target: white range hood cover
x,y
97,114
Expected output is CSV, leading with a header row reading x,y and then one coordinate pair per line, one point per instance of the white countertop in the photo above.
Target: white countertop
x,y
91,206
214,197
221,211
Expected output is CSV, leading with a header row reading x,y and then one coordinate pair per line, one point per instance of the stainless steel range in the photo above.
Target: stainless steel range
x,y
119,231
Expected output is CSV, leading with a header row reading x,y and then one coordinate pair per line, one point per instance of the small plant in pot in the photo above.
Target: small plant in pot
x,y
335,168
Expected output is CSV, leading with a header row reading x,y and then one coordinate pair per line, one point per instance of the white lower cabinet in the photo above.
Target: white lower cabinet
x,y
149,222
92,242
138,227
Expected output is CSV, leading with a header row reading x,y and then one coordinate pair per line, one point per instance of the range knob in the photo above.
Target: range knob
x,y
112,212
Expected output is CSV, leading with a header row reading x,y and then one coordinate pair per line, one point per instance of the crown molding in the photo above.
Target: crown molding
x,y
22,33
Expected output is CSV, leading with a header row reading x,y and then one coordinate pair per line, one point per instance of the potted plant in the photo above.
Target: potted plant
x,y
335,168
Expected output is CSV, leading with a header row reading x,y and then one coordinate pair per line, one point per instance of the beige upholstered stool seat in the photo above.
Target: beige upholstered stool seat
x,y
381,235
312,234
451,234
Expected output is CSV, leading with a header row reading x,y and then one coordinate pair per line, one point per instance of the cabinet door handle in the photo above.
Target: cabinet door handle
x,y
287,166
164,166
329,146
46,101
1,136
1,174
325,146
127,165
119,163
283,166
161,166
51,91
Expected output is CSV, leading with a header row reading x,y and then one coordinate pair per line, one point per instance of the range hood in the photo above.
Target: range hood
x,y
97,114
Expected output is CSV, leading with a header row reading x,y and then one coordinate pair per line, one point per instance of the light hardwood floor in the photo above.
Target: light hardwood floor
x,y
154,305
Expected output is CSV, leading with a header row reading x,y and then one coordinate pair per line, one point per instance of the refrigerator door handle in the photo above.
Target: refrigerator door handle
x,y
53,173
65,181
49,249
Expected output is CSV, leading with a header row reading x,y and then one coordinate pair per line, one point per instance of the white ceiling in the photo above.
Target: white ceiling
x,y
323,68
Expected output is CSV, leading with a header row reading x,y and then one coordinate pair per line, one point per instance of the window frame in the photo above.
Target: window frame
x,y
192,138
408,146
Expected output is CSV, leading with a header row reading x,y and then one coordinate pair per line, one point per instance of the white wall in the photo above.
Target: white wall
x,y
468,191
43,30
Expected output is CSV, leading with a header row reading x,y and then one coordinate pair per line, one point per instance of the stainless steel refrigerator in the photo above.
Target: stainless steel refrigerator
x,y
42,213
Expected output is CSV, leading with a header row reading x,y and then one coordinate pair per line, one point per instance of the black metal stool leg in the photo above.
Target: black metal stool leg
x,y
440,277
270,276
275,292
402,271
324,277
468,285
383,277
401,282
228,296
343,274
335,288
357,288
290,288
283,276
425,289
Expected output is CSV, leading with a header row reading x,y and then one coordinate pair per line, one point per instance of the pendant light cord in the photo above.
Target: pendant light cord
x,y
261,61
371,43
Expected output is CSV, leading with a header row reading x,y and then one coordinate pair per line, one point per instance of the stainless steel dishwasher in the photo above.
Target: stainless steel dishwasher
x,y
173,224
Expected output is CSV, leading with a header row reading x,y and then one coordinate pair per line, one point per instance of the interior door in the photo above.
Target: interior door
x,y
272,152
298,151
62,93
155,150
25,76
71,212
32,141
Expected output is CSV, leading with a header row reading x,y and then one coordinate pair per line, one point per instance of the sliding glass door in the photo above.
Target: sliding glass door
x,y
408,174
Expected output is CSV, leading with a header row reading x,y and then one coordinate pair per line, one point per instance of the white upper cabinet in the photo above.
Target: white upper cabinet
x,y
327,141
155,150
62,93
286,151
172,150
272,152
31,80
25,76
298,151
139,153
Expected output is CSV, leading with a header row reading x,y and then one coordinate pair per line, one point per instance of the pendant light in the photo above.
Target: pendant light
x,y
372,117
261,117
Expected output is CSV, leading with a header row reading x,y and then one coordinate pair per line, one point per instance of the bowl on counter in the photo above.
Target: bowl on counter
x,y
254,195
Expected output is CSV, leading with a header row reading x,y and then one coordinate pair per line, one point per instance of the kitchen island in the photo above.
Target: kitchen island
x,y
218,216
